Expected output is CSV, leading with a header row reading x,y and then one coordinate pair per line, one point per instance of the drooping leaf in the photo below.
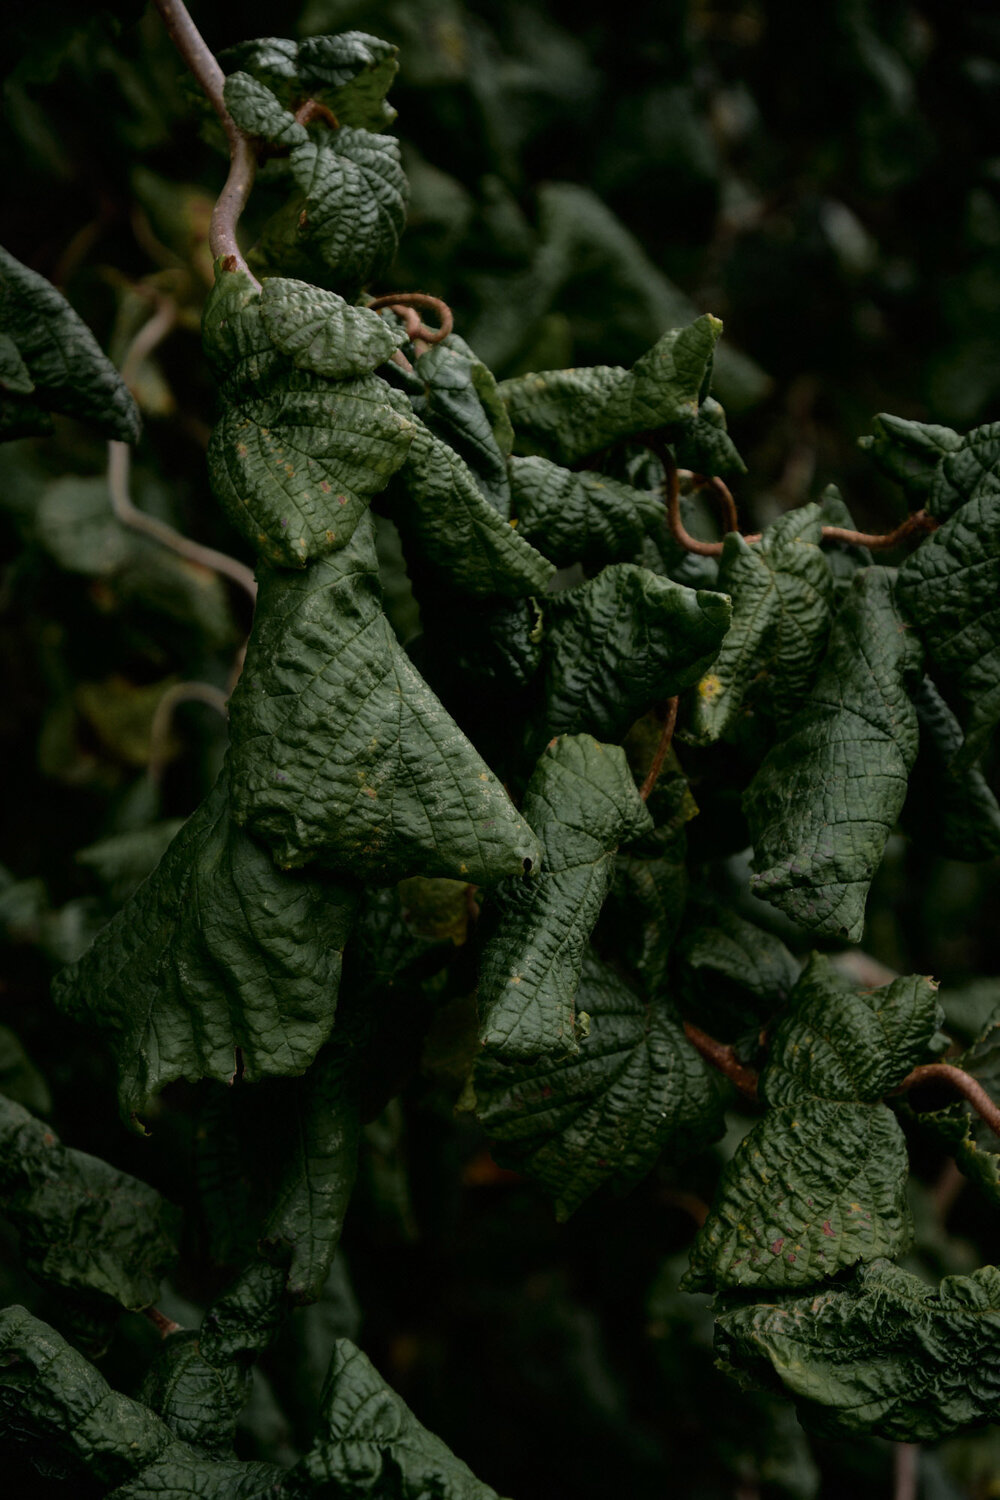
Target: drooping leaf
x,y
635,1087
582,803
911,453
342,753
217,953
461,404
825,798
448,525
621,642
296,456
887,1354
949,807
729,947
54,363
321,332
350,73
842,559
969,470
950,590
372,1444
818,1183
579,516
567,414
781,590
83,1226
57,1408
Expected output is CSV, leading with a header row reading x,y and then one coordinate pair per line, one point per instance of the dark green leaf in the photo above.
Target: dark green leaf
x,y
462,405
582,802
296,457
818,1184
826,797
350,73
63,362
743,953
950,589
447,523
887,1354
969,471
959,1128
705,446
949,807
635,1087
781,590
621,642
321,332
373,1445
911,453
567,414
83,1226
342,753
579,516
217,953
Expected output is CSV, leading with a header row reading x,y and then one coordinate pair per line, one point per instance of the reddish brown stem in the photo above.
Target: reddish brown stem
x,y
165,1326
919,521
663,745
969,1087
673,493
311,109
722,492
722,1057
242,162
400,302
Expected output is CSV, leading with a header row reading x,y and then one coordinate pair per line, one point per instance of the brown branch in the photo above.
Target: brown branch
x,y
671,482
165,1326
970,1088
905,1470
311,109
242,162
663,745
159,730
720,489
722,1057
119,463
401,302
920,521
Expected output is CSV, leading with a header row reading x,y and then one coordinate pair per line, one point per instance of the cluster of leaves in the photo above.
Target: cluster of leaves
x,y
409,743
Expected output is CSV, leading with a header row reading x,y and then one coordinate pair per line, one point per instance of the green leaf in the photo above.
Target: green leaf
x,y
969,471
580,516
567,414
705,445
446,523
781,590
52,354
635,1087
911,453
321,332
582,802
949,808
296,457
950,588
732,948
56,1406
819,1183
373,1445
342,753
462,405
959,1128
621,642
888,1354
825,798
217,953
83,1225
843,560
349,73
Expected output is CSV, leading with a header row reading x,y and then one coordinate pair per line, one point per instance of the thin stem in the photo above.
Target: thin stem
x,y
969,1087
905,1470
242,162
399,302
673,493
152,332
119,465
919,521
722,1057
663,745
720,489
159,732
165,1326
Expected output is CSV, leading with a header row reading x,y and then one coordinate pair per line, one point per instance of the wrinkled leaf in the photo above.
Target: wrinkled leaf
x,y
321,332
342,753
218,952
635,1087
579,516
911,453
825,798
949,807
462,405
350,73
781,590
887,1354
582,803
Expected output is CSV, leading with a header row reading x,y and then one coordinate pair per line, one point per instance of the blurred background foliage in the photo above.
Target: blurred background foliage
x,y
827,179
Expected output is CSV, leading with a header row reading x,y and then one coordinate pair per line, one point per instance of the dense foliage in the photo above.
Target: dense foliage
x,y
494,855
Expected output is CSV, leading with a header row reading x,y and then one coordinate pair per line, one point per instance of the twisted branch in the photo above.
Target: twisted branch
x,y
724,1059
663,745
970,1088
403,303
242,162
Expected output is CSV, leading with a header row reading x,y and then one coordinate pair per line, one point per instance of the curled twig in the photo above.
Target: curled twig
x,y
401,304
673,496
119,464
311,109
722,1057
970,1088
164,1326
663,745
721,491
242,162
159,732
